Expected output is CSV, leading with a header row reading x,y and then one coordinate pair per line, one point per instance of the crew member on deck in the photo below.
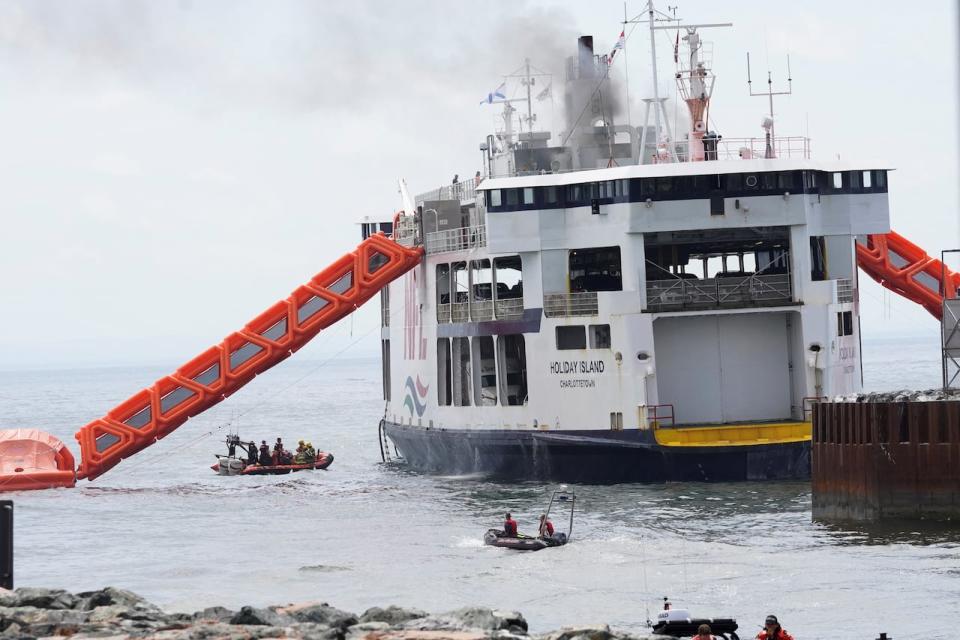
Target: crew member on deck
x,y
278,449
546,527
265,459
703,633
251,452
773,631
510,527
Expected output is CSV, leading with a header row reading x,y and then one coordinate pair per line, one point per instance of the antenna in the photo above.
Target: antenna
x,y
769,120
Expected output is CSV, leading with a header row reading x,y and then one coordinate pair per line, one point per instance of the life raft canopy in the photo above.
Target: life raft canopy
x,y
34,459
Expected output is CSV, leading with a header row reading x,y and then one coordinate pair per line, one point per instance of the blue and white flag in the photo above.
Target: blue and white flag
x,y
496,95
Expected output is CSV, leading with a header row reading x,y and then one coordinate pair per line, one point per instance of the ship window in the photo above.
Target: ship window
x,y
574,193
880,179
444,397
867,182
385,361
459,282
648,187
599,336
528,195
785,180
852,180
624,188
844,323
550,195
664,185
571,337
751,182
818,258
461,372
596,269
717,206
810,181
508,274
512,197
485,372
482,280
837,180
512,363
733,182
768,181
443,284
496,198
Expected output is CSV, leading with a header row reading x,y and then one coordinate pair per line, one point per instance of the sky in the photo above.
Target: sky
x,y
169,169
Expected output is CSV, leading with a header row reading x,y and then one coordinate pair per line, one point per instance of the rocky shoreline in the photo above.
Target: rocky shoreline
x,y
115,614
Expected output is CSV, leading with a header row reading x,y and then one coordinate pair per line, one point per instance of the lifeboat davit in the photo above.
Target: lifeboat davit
x,y
34,459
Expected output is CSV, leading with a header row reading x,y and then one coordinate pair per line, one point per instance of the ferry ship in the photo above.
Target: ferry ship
x,y
625,305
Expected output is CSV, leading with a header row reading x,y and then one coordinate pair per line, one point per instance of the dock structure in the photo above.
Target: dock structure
x,y
887,457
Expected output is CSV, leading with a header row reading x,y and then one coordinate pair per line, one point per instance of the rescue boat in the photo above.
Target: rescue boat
x,y
522,542
230,466
34,459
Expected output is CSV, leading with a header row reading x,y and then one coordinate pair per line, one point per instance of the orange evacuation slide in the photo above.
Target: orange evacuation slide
x,y
903,267
218,372
32,459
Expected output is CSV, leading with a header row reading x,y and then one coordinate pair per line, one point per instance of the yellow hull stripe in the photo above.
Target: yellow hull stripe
x,y
733,435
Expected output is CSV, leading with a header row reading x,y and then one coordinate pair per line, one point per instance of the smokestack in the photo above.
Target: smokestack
x,y
585,56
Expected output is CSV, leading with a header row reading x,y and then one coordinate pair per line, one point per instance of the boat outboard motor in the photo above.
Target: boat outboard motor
x,y
679,624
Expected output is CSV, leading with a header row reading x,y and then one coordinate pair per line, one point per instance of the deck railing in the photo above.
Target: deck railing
x,y
680,294
459,239
480,310
464,191
560,305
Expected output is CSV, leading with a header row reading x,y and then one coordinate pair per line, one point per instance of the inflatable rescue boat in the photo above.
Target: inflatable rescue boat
x,y
520,542
227,466
678,623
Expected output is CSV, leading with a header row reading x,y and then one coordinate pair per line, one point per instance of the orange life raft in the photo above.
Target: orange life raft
x,y
34,459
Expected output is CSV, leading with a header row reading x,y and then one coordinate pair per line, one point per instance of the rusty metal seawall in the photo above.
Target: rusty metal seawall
x,y
876,460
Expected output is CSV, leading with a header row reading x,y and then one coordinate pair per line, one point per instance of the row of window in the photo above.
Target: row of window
x,y
686,188
575,336
482,372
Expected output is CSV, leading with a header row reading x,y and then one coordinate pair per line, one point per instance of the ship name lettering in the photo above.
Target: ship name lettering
x,y
560,367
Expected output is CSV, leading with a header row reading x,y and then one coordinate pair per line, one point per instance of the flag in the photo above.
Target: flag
x,y
546,93
621,42
496,94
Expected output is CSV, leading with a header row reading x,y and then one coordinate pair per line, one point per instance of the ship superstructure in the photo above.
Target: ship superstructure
x,y
622,305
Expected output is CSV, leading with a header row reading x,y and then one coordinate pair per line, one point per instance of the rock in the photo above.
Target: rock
x,y
601,632
255,616
220,614
315,631
320,613
42,622
113,596
392,615
42,598
470,618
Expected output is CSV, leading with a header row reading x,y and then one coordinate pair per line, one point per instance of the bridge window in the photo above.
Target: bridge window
x,y
496,197
836,179
810,180
852,180
528,195
512,361
867,180
444,382
513,198
485,374
550,195
461,372
571,337
574,193
880,179
785,180
595,269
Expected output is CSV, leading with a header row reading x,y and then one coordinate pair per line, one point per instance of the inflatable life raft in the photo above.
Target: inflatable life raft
x,y
34,459
227,466
496,538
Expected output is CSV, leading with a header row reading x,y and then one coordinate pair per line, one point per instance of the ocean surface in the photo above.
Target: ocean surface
x,y
367,534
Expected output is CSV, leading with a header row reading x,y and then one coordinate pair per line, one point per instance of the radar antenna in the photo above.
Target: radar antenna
x,y
767,123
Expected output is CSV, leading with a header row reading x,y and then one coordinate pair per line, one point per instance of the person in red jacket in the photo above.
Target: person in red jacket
x,y
703,633
773,631
546,527
509,527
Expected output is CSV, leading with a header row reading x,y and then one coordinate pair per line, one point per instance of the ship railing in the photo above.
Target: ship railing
x,y
481,310
680,294
443,312
660,415
796,147
406,231
460,239
508,309
463,191
460,312
560,305
844,290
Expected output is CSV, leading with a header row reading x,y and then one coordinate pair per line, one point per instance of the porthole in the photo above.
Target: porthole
x,y
643,356
751,181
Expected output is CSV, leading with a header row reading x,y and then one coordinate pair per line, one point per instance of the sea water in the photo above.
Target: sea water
x,y
368,534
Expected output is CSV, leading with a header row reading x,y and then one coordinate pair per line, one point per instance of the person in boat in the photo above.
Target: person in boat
x,y
704,633
278,450
232,447
265,459
301,455
509,527
546,527
251,452
773,631
310,453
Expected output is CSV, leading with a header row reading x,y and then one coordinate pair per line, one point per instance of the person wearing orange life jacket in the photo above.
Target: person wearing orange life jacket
x,y
773,631
704,633
509,527
546,527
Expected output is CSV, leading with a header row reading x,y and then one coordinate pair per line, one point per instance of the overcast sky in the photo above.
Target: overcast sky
x,y
169,169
